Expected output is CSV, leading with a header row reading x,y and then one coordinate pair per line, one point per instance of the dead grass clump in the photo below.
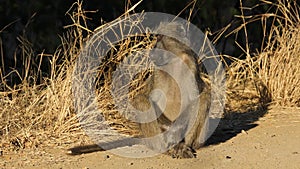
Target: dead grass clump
x,y
33,113
279,62
273,75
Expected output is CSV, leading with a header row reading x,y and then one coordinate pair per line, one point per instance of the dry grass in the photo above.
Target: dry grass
x,y
33,114
279,62
271,76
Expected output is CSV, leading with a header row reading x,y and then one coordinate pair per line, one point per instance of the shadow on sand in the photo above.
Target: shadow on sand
x,y
234,123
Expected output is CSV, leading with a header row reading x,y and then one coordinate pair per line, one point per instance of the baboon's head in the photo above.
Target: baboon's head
x,y
173,39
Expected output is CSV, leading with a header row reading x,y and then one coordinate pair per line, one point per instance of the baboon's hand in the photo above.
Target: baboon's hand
x,y
182,151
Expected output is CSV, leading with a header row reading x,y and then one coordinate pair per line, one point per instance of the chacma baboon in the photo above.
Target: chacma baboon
x,y
175,94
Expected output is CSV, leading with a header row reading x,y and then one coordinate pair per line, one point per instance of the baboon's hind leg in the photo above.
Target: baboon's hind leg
x,y
196,136
192,127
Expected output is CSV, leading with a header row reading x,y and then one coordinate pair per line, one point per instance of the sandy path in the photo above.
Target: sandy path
x,y
273,141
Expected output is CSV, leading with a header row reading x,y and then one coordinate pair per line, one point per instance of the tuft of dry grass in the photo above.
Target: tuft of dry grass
x,y
271,76
34,113
279,62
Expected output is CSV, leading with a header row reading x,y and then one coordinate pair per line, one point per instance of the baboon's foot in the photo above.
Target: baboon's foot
x,y
181,150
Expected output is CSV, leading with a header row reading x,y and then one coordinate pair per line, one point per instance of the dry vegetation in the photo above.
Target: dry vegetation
x,y
32,114
35,114
274,72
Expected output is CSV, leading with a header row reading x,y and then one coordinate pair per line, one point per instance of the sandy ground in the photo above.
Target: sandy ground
x,y
270,139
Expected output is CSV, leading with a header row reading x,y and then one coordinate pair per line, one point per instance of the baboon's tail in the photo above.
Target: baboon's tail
x,y
84,149
102,146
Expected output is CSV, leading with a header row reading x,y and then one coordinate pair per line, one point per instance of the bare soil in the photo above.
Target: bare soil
x,y
263,139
